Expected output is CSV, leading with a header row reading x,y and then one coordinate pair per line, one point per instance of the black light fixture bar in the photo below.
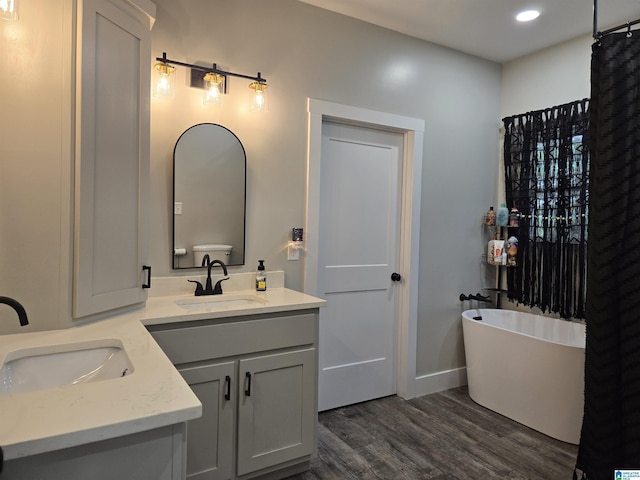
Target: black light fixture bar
x,y
213,69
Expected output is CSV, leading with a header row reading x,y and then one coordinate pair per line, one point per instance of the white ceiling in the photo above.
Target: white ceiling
x,y
487,28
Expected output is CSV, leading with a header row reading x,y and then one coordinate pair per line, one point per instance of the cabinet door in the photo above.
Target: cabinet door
x,y
276,409
112,156
210,437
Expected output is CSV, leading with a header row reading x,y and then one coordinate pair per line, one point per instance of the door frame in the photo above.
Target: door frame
x,y
412,130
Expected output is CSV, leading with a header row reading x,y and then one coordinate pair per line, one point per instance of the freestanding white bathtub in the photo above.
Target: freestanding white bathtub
x,y
527,367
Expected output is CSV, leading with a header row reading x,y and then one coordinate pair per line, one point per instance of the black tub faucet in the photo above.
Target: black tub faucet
x,y
477,297
22,314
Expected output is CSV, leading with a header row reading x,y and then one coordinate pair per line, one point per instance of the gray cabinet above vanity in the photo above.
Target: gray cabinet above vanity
x,y
112,155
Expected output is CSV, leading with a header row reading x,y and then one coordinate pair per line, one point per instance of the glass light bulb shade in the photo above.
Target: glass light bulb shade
x,y
164,84
9,9
212,89
259,101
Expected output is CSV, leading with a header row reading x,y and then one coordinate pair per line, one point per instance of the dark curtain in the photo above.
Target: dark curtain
x,y
610,436
547,179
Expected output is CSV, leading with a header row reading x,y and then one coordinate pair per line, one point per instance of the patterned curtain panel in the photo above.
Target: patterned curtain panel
x,y
610,438
546,163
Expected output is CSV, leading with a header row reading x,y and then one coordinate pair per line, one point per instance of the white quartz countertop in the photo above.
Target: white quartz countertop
x,y
153,396
161,310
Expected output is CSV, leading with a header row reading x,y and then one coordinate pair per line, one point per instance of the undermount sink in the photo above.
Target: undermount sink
x,y
52,366
219,301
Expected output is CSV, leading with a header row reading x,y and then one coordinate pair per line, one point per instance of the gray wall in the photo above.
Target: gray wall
x,y
305,52
552,76
35,165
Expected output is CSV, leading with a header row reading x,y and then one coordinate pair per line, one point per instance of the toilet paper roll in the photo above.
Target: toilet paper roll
x,y
179,251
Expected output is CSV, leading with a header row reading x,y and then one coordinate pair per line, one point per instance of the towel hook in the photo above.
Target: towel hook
x,y
629,32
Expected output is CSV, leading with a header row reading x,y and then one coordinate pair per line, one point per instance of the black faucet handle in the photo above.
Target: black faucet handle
x,y
199,290
217,290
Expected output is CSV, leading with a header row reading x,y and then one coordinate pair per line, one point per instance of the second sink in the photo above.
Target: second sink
x,y
51,366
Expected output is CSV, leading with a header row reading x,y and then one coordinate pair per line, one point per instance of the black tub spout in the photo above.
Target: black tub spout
x,y
477,297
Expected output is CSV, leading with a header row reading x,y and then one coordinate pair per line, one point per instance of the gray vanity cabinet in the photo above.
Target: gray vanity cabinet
x,y
276,412
256,377
210,451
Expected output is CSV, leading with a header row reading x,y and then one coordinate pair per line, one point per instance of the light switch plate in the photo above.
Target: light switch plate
x,y
177,208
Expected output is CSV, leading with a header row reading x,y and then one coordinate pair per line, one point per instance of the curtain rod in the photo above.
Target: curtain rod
x,y
598,35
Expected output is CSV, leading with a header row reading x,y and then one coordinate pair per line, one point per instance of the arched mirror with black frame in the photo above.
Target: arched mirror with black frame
x,y
209,196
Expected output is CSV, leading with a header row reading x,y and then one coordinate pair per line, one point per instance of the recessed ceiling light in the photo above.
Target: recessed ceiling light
x,y
527,15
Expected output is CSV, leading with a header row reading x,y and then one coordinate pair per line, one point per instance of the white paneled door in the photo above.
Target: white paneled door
x,y
358,256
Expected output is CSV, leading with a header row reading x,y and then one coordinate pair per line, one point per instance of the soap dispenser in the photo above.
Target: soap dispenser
x,y
261,277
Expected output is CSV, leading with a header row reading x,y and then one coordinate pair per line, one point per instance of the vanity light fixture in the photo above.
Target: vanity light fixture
x,y
164,81
9,9
214,81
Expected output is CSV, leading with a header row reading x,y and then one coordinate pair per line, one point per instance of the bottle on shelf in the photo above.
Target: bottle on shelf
x,y
502,216
514,217
496,254
490,217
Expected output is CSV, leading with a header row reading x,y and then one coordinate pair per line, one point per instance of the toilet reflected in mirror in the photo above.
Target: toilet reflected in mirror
x,y
209,195
215,252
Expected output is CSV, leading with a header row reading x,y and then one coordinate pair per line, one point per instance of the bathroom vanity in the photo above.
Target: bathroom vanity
x,y
251,358
220,387
131,425
256,377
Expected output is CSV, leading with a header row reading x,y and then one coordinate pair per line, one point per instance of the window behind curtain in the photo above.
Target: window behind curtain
x,y
546,161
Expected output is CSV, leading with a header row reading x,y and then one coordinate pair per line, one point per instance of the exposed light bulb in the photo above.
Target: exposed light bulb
x,y
163,87
164,81
212,93
259,102
527,15
9,9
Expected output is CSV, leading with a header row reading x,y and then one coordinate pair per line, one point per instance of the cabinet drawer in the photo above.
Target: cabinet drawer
x,y
204,342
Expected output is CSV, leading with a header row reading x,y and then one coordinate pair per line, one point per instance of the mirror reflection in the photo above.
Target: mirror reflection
x,y
209,173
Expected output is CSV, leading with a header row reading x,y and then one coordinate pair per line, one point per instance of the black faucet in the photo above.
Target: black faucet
x,y
477,296
208,289
22,314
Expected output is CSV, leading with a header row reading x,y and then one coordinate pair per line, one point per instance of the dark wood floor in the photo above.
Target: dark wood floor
x,y
441,436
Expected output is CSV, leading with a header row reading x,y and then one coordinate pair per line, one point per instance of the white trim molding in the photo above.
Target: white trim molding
x,y
439,381
413,131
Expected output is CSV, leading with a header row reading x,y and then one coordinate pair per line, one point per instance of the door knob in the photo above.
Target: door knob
x,y
396,277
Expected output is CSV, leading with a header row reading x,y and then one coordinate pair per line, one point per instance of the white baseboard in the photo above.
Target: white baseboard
x,y
439,381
